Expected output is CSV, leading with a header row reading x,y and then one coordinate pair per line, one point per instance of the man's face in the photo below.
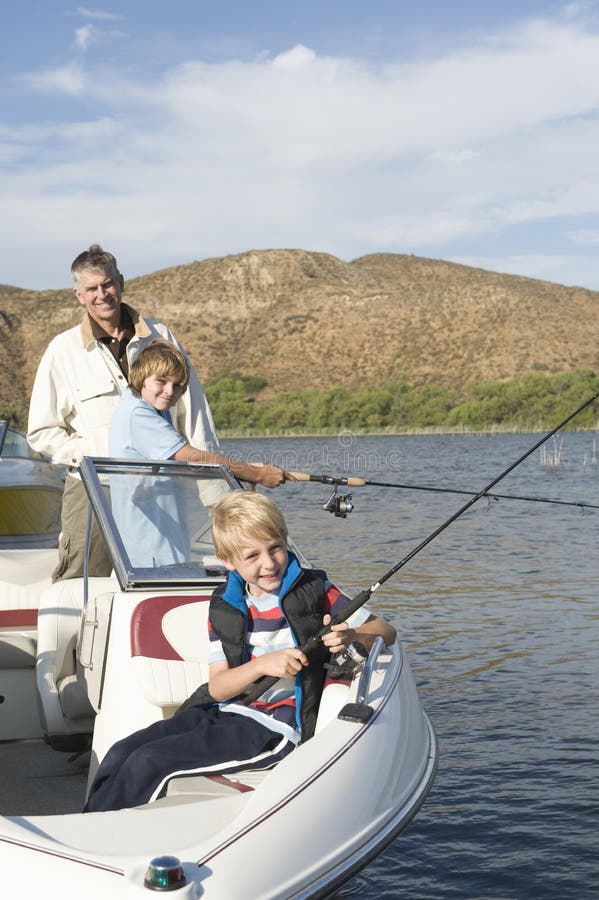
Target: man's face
x,y
100,293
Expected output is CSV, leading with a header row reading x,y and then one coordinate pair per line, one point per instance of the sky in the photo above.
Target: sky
x,y
182,130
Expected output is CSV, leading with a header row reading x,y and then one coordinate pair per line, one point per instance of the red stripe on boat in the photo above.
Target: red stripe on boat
x,y
147,637
18,618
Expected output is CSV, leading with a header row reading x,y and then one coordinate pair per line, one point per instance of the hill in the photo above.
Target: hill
x,y
301,319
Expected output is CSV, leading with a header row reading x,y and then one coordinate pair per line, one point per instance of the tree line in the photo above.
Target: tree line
x,y
532,402
241,405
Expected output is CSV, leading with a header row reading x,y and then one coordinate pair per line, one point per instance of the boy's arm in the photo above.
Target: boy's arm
x,y
225,682
257,473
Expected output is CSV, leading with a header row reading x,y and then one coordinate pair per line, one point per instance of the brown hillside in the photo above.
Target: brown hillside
x,y
303,319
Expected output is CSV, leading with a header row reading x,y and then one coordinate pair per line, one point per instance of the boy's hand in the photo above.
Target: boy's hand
x,y
284,663
339,637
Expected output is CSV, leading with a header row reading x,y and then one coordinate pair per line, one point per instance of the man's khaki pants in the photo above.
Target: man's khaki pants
x,y
71,545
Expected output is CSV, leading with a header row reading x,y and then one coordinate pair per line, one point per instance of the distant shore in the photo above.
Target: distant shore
x,y
232,434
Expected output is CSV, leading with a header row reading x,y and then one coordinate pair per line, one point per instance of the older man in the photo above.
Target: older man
x,y
78,384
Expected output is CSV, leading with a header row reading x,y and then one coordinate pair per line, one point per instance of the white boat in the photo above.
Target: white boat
x,y
112,655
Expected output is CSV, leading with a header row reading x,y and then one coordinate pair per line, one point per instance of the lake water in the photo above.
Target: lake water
x,y
500,617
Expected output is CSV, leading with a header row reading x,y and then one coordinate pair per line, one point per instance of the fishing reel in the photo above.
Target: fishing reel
x,y
346,662
340,505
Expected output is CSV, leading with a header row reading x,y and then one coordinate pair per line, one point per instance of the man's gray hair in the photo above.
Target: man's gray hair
x,y
95,258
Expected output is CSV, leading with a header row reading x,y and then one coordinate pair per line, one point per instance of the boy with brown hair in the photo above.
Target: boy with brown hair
x,y
158,378
152,519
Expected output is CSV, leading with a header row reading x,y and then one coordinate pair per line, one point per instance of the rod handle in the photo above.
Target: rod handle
x,y
351,481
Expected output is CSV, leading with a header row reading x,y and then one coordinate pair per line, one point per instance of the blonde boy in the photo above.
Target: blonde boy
x,y
268,608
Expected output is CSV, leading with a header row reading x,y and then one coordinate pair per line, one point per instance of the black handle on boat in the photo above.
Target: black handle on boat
x,y
257,689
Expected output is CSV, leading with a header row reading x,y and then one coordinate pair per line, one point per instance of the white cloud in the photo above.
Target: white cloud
x,y
327,153
97,14
583,236
68,79
297,56
577,9
84,36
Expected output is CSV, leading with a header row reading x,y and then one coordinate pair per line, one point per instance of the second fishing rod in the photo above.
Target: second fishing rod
x,y
364,595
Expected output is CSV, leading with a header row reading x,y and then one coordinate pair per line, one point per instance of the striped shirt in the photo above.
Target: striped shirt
x,y
267,632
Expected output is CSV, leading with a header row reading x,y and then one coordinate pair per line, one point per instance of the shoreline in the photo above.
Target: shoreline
x,y
225,434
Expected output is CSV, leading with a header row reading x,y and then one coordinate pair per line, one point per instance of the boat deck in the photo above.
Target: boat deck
x,y
37,780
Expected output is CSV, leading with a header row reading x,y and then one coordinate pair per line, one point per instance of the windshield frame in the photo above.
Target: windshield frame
x,y
95,470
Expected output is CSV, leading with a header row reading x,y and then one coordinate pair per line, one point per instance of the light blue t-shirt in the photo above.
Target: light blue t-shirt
x,y
151,515
138,431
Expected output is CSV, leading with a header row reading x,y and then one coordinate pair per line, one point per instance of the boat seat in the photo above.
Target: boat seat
x,y
24,566
14,597
18,623
17,650
169,648
334,697
64,703
169,655
206,787
156,658
26,574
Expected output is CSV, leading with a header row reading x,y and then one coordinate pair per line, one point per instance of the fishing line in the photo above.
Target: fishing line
x,y
364,595
353,481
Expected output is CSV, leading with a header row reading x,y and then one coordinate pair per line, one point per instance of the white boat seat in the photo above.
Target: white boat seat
x,y
206,787
22,596
17,651
18,626
26,566
26,574
18,648
64,704
169,648
334,697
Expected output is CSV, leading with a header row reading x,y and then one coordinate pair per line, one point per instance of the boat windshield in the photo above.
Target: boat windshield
x,y
156,518
13,444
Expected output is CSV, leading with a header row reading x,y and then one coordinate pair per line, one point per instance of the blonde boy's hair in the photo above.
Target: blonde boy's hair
x,y
159,358
243,515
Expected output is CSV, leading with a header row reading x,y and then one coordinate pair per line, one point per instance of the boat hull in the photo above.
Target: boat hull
x,y
315,820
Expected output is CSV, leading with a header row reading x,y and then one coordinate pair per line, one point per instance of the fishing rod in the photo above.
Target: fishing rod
x,y
339,508
362,597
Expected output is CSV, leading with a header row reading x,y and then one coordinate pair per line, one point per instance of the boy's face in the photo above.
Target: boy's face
x,y
261,563
161,391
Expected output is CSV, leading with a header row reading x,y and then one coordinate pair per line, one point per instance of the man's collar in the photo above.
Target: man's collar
x,y
91,331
